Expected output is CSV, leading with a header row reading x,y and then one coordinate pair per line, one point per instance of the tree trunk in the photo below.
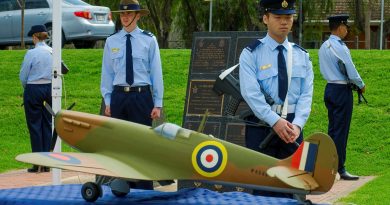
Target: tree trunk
x,y
160,13
22,6
367,24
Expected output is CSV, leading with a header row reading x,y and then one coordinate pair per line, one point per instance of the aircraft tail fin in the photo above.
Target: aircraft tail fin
x,y
305,157
317,157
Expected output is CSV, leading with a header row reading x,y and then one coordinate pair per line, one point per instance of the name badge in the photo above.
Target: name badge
x,y
264,67
114,50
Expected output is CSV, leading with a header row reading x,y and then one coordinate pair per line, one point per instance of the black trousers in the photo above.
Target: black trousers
x,y
38,119
276,148
339,102
134,107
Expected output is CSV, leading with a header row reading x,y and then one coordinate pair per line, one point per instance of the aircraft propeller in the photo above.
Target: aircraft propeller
x,y
55,135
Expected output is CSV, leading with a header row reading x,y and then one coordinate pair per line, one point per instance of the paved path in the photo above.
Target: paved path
x,y
20,178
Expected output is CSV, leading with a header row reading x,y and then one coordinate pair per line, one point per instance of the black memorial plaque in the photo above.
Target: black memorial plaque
x,y
243,42
235,133
210,128
201,97
210,55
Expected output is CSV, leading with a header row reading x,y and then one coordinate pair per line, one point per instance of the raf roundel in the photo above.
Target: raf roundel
x,y
62,157
209,158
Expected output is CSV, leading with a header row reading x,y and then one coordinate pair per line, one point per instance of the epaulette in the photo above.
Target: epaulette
x,y
253,45
300,47
147,33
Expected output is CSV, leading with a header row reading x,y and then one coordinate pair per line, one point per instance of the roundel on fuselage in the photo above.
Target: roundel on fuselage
x,y
209,158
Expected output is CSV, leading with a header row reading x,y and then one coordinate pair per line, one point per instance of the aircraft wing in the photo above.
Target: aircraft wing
x,y
93,163
293,177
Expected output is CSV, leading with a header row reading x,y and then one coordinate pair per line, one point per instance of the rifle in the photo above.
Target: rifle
x,y
361,97
227,84
343,71
353,86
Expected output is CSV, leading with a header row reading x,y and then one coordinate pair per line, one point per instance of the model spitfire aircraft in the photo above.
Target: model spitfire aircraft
x,y
126,150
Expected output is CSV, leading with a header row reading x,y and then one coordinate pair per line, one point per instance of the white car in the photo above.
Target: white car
x,y
82,23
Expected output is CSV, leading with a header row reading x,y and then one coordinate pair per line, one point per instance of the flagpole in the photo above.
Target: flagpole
x,y
56,76
381,33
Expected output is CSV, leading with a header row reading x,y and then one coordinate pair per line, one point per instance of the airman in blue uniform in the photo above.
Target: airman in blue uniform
x,y
266,65
339,71
35,76
131,81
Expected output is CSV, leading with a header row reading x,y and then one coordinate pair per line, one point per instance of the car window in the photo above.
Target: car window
x,y
76,2
8,5
36,4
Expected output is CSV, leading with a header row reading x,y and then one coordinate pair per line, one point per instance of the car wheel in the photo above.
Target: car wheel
x,y
49,40
84,44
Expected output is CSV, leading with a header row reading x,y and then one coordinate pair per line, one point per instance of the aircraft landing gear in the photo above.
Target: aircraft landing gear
x,y
302,199
91,191
119,187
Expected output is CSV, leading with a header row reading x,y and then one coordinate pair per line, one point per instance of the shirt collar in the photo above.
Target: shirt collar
x,y
133,33
40,43
335,37
273,44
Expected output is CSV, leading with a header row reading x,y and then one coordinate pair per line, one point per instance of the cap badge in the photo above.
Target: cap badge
x,y
284,4
125,7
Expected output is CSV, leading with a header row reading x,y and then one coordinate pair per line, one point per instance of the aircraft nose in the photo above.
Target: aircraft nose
x,y
72,127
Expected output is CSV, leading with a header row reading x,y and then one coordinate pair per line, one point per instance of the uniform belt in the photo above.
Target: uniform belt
x,y
127,89
342,82
40,81
278,108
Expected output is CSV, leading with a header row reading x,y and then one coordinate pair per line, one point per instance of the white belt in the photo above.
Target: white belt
x,y
343,82
40,81
278,108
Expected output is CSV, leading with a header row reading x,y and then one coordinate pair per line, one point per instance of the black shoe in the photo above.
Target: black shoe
x,y
33,169
348,176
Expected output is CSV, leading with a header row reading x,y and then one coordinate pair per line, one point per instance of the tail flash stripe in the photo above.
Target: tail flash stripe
x,y
311,157
297,157
304,156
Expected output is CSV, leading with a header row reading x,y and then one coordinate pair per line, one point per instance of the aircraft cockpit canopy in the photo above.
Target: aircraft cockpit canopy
x,y
171,131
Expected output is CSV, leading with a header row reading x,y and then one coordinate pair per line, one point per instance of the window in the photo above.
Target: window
x,y
76,2
167,130
36,4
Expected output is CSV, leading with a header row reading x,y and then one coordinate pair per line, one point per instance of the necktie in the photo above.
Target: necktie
x,y
129,61
282,74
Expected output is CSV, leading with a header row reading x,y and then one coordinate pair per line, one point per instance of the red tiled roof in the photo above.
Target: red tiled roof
x,y
344,7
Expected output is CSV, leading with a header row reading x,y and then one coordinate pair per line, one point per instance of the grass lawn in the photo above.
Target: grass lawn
x,y
368,148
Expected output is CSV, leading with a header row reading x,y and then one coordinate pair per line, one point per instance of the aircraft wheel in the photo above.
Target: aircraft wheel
x,y
91,191
119,187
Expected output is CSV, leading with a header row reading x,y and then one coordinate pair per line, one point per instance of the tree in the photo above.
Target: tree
x,y
312,12
159,20
22,4
161,12
362,13
228,15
